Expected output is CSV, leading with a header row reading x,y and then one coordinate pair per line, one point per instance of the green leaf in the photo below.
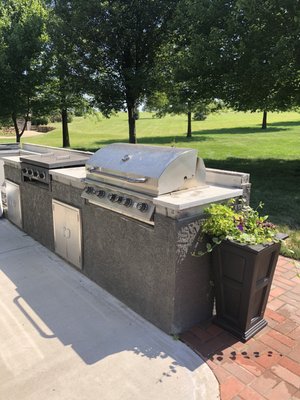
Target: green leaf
x,y
208,247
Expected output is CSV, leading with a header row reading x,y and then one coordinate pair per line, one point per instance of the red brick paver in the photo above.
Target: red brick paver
x,y
268,365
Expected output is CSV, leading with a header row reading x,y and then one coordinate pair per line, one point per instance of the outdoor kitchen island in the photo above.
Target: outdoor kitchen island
x,y
137,245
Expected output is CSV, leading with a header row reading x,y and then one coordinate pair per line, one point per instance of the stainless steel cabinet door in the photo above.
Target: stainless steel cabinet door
x,y
73,236
59,222
67,232
13,199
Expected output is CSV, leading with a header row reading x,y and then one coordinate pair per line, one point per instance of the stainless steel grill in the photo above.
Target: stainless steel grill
x,y
125,178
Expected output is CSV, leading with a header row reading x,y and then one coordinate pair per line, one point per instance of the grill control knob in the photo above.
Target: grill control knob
x,y
24,170
127,202
100,193
89,189
42,175
35,174
30,171
112,197
143,207
119,199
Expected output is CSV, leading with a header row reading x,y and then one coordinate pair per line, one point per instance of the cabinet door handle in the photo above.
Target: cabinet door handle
x,y
67,233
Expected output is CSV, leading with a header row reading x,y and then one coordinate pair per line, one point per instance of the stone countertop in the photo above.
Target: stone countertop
x,y
69,176
14,161
189,198
177,201
12,157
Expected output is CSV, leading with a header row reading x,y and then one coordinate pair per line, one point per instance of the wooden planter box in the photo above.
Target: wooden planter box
x,y
243,277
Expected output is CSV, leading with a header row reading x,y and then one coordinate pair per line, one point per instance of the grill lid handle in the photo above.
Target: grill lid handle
x,y
94,170
134,180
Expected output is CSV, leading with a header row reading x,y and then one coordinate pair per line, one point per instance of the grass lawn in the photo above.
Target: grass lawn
x,y
232,141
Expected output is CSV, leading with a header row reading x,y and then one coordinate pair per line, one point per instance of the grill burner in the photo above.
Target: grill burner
x,y
125,178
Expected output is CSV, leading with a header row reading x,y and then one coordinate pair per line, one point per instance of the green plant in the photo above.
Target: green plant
x,y
39,121
239,223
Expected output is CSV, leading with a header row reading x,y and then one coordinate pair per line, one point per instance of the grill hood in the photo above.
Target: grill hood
x,y
152,170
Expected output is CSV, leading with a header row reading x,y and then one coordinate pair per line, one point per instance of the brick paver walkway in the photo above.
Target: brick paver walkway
x,y
268,365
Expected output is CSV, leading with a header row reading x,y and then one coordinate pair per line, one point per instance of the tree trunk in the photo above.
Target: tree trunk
x,y
189,128
264,121
17,130
18,136
131,123
65,128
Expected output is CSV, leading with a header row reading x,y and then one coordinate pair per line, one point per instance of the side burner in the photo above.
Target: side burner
x,y
36,190
35,168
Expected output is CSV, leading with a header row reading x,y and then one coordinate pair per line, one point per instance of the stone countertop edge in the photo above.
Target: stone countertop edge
x,y
14,161
69,176
197,197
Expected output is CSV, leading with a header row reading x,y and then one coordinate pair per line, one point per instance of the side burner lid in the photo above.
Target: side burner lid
x,y
55,160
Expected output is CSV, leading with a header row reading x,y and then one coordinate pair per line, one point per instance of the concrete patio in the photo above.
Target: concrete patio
x,y
63,337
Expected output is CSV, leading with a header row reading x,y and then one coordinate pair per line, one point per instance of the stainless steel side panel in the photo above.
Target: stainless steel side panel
x,y
13,199
67,232
2,179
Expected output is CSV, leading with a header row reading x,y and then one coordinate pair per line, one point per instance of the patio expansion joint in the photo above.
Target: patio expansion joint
x,y
18,249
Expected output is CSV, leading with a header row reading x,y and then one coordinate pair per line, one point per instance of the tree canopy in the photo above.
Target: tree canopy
x,y
22,37
247,52
117,54
118,43
65,87
264,73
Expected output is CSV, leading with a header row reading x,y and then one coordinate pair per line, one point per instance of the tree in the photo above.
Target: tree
x,y
188,81
118,43
263,74
180,101
254,44
245,52
22,38
65,86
